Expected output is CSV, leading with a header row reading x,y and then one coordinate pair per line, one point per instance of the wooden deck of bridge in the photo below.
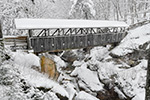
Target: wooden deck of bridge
x,y
58,36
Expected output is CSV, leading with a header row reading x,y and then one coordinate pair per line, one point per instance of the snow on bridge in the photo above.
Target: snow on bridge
x,y
63,34
65,23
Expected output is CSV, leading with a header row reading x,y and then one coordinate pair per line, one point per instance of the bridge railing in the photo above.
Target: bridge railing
x,y
78,31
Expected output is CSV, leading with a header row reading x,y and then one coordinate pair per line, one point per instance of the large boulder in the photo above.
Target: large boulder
x,y
48,66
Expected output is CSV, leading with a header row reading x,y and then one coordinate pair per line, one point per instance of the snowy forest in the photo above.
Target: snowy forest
x,y
108,72
130,11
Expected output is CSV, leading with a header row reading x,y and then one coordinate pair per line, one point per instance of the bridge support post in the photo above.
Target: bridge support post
x,y
29,47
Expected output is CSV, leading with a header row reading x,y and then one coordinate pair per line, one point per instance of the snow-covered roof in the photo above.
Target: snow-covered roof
x,y
65,23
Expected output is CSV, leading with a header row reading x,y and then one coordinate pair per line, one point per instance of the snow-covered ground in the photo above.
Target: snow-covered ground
x,y
133,40
24,62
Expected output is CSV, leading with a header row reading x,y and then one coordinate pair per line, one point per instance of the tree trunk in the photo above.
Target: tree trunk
x,y
147,96
1,35
1,44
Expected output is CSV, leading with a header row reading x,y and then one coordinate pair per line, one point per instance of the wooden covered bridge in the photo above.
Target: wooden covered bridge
x,y
59,34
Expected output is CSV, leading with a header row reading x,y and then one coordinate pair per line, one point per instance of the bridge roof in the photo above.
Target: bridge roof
x,y
65,23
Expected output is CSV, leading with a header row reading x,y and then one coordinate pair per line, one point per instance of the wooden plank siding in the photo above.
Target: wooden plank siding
x,y
16,43
59,43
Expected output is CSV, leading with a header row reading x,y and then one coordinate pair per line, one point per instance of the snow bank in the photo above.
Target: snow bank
x,y
140,95
107,70
133,40
50,96
24,62
70,88
25,59
85,96
3,94
14,85
59,62
98,53
132,80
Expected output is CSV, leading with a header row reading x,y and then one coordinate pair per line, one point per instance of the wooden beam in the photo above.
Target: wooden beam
x,y
30,33
29,39
47,32
61,31
84,30
71,31
55,32
40,33
99,30
77,31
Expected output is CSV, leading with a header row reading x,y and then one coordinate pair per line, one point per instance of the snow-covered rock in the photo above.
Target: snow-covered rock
x,y
87,78
133,40
85,96
99,53
25,60
133,80
70,88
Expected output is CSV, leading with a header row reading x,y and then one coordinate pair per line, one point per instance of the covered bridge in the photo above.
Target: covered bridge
x,y
50,35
